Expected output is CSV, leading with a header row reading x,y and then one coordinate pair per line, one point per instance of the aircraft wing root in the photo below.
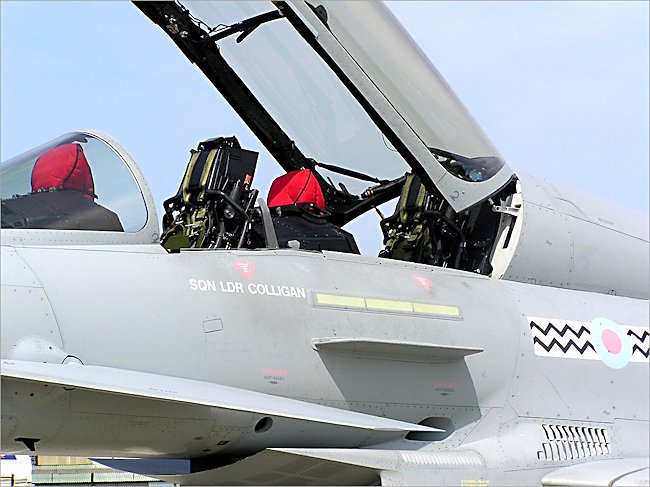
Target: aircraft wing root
x,y
180,390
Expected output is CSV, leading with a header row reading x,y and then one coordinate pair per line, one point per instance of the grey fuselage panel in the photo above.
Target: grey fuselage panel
x,y
567,239
231,317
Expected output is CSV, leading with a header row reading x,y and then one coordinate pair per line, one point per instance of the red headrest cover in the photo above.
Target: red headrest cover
x,y
296,187
64,167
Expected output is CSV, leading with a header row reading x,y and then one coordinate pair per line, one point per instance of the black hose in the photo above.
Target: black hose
x,y
455,228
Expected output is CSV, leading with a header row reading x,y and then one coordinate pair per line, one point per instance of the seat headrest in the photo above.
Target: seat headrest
x,y
296,187
64,167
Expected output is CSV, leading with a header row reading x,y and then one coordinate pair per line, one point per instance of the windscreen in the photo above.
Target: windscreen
x,y
401,71
74,182
305,97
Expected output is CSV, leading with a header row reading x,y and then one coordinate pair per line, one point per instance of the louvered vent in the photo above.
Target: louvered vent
x,y
573,442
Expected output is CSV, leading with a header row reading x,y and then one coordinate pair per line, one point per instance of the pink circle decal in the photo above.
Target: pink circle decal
x,y
611,341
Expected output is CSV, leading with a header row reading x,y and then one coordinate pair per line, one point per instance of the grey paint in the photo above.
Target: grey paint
x,y
593,245
499,399
117,348
392,349
608,472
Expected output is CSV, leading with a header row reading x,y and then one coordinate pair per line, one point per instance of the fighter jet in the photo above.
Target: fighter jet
x,y
500,337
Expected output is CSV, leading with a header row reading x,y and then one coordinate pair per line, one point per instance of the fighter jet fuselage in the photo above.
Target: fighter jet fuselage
x,y
501,336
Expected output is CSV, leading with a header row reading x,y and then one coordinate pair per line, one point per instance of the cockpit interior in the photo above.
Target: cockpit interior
x,y
79,182
353,125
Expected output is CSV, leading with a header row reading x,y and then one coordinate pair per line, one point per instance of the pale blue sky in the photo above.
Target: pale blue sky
x,y
560,87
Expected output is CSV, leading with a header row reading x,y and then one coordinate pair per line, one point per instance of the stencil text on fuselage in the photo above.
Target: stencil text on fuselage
x,y
236,287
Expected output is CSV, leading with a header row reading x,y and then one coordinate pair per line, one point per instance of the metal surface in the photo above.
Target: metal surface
x,y
281,366
589,241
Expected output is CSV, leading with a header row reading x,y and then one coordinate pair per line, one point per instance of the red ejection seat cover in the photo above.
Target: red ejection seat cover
x,y
64,167
296,187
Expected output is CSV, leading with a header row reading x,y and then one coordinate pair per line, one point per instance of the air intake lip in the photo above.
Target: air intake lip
x,y
442,423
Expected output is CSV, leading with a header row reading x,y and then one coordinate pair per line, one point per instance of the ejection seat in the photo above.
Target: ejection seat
x,y
213,207
426,230
419,232
298,213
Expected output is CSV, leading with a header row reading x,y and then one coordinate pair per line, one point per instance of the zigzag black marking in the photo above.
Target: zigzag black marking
x,y
645,353
564,348
566,328
641,338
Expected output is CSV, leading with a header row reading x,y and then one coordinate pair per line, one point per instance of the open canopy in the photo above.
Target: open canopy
x,y
342,88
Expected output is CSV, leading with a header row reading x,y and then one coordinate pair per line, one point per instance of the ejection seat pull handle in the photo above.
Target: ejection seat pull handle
x,y
269,230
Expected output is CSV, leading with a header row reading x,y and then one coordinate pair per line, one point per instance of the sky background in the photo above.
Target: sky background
x,y
561,88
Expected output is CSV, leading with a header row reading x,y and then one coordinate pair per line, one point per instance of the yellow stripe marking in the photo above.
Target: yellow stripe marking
x,y
436,309
390,305
344,301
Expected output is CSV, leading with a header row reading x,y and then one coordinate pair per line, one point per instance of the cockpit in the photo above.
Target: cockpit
x,y
75,182
339,90
84,182
343,119
360,121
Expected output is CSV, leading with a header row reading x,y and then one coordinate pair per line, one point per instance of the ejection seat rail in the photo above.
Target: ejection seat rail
x,y
211,195
214,195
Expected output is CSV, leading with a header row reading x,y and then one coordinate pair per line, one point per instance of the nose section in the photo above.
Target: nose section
x,y
29,329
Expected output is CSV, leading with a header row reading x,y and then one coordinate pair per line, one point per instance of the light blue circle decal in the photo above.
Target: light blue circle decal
x,y
611,342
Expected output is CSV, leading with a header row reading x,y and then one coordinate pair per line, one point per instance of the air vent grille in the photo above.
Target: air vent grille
x,y
573,442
